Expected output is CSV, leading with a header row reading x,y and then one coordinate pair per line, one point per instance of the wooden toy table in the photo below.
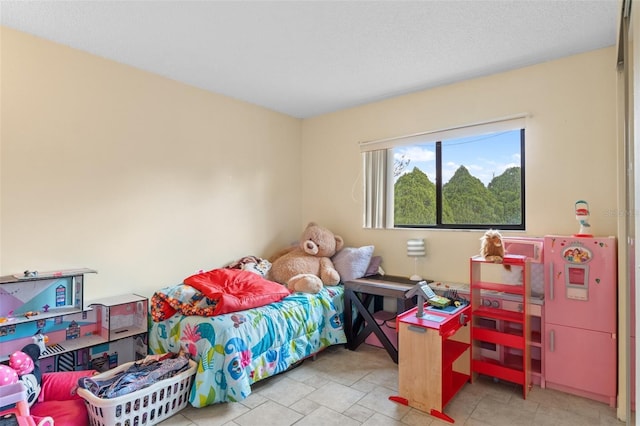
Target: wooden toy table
x,y
434,358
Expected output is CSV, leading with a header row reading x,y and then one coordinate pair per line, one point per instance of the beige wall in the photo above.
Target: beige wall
x,y
146,179
140,177
570,155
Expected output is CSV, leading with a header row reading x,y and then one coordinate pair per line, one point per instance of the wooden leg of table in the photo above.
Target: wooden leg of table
x,y
348,317
371,326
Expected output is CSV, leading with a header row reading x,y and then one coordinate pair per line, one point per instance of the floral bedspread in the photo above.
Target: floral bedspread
x,y
238,349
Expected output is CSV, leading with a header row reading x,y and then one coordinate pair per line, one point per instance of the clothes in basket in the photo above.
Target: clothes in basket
x,y
148,406
138,376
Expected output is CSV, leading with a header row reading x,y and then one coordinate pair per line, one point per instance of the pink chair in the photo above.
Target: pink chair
x,y
59,400
14,395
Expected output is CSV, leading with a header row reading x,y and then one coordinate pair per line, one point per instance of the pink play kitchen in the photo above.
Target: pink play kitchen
x,y
572,307
572,312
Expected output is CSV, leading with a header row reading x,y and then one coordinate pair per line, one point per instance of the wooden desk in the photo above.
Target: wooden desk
x,y
360,293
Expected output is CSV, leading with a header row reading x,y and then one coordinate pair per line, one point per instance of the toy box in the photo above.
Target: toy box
x,y
387,322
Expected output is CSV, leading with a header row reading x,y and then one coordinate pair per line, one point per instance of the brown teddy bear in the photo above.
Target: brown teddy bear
x,y
307,267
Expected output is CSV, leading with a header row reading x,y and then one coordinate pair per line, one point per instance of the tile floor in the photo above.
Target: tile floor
x,y
346,388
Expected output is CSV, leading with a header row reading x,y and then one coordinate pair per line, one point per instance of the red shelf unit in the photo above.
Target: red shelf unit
x,y
512,330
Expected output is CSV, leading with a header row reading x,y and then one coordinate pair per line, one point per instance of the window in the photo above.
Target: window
x,y
470,177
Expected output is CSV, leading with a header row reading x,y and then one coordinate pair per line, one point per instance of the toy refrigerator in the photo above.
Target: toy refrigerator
x,y
580,316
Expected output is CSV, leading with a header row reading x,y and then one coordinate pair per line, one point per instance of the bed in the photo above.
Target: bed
x,y
236,349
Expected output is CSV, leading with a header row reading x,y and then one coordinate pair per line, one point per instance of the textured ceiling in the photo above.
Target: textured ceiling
x,y
305,58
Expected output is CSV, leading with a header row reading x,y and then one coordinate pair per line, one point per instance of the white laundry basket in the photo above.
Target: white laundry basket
x,y
147,406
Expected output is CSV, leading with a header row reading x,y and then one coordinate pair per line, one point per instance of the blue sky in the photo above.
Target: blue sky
x,y
485,156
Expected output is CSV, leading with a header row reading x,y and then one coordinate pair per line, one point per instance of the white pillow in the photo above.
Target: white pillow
x,y
352,263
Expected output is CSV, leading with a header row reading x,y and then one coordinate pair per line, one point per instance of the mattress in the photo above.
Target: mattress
x,y
237,349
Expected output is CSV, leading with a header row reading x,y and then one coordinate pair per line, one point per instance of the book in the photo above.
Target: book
x,y
439,301
449,310
433,299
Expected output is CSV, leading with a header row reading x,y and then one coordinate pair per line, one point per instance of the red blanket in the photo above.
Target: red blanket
x,y
229,290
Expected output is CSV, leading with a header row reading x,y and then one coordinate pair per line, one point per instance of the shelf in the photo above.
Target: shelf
x,y
118,300
124,332
510,329
508,259
122,316
451,387
536,366
507,329
502,288
492,336
68,346
73,345
536,339
499,314
452,350
493,369
513,361
48,275
51,313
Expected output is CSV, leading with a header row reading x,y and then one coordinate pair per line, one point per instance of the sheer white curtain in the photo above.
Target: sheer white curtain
x,y
378,199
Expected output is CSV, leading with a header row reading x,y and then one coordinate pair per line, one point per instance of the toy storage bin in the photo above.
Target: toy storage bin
x,y
387,323
147,406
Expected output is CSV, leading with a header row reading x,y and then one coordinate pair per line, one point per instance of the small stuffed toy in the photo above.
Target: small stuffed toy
x,y
307,267
252,264
491,247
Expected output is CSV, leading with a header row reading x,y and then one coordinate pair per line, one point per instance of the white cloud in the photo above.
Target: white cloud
x,y
416,154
